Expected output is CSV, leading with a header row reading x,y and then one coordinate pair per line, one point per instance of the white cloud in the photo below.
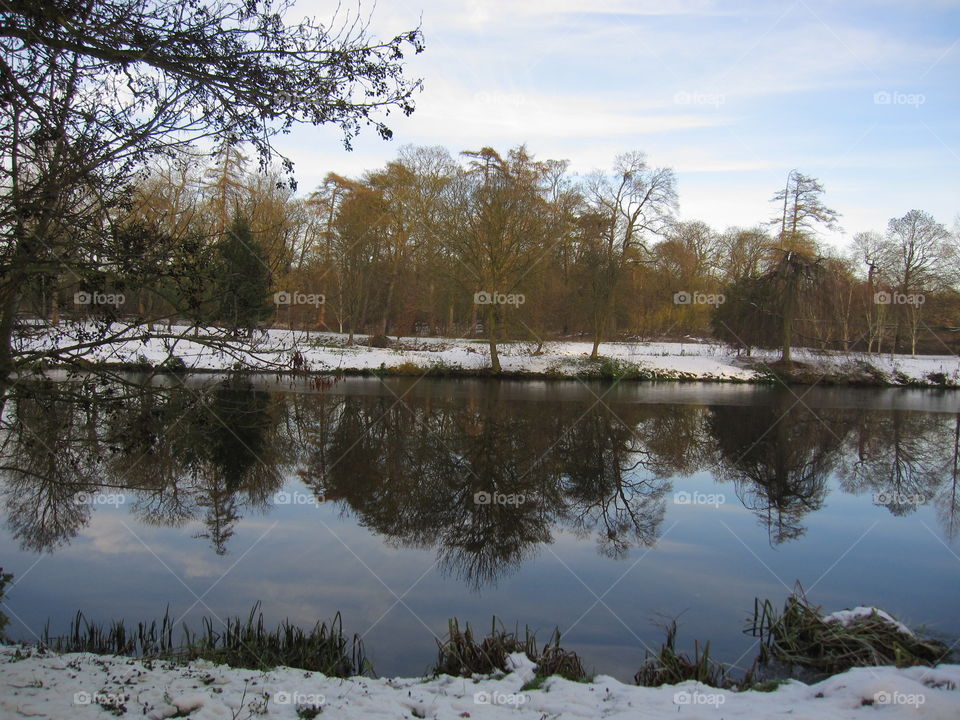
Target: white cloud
x,y
792,86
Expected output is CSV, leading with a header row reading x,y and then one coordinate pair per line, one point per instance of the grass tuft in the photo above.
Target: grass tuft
x,y
668,667
241,643
461,654
800,637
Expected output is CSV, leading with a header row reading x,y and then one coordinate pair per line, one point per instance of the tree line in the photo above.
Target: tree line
x,y
108,212
506,246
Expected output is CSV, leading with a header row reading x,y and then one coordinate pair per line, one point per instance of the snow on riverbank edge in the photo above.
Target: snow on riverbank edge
x,y
285,350
82,686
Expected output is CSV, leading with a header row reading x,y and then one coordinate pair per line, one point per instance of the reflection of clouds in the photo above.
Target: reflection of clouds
x,y
200,566
301,570
106,534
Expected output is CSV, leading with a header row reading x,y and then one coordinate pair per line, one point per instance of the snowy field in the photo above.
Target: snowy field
x,y
275,350
88,686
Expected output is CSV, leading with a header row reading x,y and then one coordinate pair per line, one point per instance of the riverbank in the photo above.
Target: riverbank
x,y
288,351
82,685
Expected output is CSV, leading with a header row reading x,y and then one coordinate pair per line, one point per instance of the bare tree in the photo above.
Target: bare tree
x,y
743,252
802,210
916,254
498,225
872,252
93,90
634,203
793,266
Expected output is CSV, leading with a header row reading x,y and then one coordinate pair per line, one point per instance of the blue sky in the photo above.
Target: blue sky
x,y
732,95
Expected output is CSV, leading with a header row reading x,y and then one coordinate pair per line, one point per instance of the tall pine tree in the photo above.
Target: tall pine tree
x,y
243,281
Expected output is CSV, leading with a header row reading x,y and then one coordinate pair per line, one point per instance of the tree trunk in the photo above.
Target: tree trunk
x,y
914,311
594,354
11,294
601,318
491,322
385,318
11,302
790,291
788,311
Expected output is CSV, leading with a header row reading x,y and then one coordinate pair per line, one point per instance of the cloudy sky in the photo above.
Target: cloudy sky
x,y
732,95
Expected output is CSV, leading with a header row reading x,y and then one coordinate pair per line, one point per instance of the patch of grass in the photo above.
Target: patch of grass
x,y
437,368
793,372
866,373
380,341
535,684
323,343
308,712
246,644
615,369
668,667
766,685
800,637
554,660
151,640
405,368
461,654
607,368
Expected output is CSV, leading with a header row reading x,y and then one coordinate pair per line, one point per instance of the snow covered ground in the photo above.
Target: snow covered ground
x,y
88,686
277,349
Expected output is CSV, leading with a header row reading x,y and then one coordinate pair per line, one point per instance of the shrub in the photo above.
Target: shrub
x,y
462,655
246,644
799,636
668,667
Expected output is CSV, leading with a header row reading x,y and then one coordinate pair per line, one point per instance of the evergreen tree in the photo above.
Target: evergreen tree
x,y
243,281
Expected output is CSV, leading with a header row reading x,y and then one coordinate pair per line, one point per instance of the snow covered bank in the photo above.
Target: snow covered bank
x,y
89,686
285,350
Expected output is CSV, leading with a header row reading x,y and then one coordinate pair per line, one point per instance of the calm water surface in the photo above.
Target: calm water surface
x,y
602,509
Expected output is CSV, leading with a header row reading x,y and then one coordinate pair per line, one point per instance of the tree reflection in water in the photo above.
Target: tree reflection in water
x,y
411,465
